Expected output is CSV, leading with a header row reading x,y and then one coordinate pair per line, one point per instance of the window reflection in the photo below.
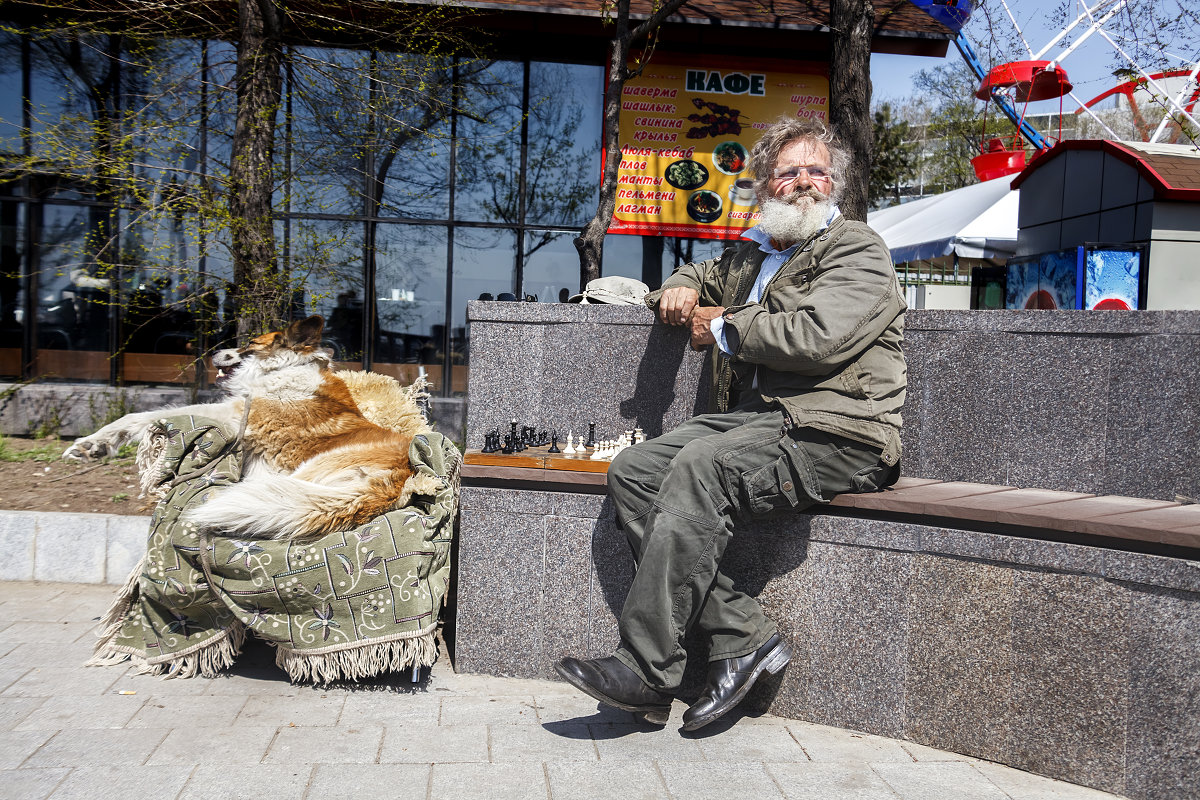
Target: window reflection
x,y
325,269
328,92
489,147
483,270
411,144
551,265
652,259
410,302
563,173
144,273
12,253
73,299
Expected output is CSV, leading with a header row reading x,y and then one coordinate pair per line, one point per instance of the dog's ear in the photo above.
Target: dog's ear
x,y
306,332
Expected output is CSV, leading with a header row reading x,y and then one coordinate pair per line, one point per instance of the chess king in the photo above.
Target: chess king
x,y
805,319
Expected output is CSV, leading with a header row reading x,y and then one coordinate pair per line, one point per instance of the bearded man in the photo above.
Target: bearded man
x,y
806,321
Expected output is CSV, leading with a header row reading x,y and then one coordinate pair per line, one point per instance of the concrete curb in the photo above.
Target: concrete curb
x,y
70,548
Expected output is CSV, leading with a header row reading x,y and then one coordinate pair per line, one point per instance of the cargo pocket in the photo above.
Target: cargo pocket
x,y
771,488
874,478
783,484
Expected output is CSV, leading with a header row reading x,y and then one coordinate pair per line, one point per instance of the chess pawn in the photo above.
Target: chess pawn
x,y
598,453
570,448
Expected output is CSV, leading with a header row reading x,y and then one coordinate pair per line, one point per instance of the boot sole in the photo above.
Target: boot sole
x,y
773,662
655,715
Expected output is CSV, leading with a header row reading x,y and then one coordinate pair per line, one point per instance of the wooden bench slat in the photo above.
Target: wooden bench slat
x,y
1166,518
923,499
942,502
990,507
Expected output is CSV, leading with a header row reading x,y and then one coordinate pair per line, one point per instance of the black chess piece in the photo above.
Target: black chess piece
x,y
591,440
553,443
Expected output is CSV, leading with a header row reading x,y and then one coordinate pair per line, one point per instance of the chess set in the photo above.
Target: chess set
x,y
527,445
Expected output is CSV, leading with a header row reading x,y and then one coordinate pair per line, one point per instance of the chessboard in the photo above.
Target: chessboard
x,y
537,458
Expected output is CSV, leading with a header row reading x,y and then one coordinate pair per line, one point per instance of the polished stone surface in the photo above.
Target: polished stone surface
x,y
1061,659
1082,401
563,366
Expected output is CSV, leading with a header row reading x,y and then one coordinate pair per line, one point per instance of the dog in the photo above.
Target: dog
x,y
312,463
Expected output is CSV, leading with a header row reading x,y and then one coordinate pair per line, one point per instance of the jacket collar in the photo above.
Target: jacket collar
x,y
763,239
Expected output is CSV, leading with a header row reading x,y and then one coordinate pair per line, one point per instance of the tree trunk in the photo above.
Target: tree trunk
x,y
852,23
261,292
590,242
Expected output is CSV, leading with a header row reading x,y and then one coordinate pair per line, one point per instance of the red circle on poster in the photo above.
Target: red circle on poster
x,y
1041,299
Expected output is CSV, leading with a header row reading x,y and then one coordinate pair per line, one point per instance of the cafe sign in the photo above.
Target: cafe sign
x,y
686,132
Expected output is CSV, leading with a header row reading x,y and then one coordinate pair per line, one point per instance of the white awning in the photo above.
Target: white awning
x,y
978,221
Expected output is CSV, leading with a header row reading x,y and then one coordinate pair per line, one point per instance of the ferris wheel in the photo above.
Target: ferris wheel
x,y
1160,103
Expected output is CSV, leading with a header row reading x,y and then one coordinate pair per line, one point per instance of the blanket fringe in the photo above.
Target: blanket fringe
x,y
362,661
209,659
114,616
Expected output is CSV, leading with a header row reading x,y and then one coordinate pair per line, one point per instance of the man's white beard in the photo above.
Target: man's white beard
x,y
791,222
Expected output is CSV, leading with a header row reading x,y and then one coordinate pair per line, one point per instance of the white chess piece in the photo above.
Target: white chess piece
x,y
639,436
569,448
598,453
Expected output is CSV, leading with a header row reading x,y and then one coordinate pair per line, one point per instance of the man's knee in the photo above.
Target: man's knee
x,y
634,465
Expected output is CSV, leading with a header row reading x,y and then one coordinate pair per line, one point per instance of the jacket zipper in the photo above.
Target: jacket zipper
x,y
725,372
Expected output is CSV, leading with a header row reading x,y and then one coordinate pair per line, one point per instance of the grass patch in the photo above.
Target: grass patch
x,y
50,450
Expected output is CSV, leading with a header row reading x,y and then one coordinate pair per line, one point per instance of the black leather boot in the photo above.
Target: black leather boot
x,y
614,684
730,679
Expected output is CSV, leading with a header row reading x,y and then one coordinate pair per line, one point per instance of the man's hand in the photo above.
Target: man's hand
x,y
675,305
699,325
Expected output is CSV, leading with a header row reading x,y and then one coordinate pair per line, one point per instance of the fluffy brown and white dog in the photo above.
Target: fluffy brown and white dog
x,y
312,463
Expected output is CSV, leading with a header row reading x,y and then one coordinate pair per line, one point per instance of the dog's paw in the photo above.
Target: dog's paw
x,y
86,450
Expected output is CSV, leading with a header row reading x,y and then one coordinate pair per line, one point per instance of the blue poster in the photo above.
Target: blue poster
x,y
1047,280
1111,279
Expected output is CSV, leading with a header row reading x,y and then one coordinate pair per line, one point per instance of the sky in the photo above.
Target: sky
x,y
1089,67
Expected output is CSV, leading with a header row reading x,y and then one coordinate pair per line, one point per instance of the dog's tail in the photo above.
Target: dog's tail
x,y
285,507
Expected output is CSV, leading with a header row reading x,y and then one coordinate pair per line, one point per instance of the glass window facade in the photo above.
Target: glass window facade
x,y
405,186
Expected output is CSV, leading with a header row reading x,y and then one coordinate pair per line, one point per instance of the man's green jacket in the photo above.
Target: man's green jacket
x,y
824,340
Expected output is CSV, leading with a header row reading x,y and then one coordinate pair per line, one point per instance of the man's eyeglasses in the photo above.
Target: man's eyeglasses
x,y
786,174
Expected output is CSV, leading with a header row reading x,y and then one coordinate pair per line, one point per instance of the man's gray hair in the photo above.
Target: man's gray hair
x,y
786,130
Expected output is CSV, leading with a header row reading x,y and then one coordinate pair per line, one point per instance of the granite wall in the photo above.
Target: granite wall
x,y
1073,662
1070,661
1095,401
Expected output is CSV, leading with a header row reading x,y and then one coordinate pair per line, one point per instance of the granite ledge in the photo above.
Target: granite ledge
x,y
1098,323
556,313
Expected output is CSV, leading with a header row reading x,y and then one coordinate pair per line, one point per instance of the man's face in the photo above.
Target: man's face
x,y
797,182
799,202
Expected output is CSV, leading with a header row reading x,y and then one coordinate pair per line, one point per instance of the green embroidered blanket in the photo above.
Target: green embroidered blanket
x,y
346,606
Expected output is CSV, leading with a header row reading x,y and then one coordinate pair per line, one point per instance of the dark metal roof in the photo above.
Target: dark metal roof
x,y
1172,170
892,17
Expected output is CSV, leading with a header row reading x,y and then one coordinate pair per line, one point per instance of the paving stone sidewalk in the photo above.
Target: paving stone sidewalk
x,y
103,732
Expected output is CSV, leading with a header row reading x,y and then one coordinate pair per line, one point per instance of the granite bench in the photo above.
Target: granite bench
x,y
1056,629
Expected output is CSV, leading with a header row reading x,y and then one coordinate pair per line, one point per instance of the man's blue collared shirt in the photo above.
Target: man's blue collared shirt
x,y
770,266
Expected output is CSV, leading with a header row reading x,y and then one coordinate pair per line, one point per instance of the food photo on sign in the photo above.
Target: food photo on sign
x,y
686,134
